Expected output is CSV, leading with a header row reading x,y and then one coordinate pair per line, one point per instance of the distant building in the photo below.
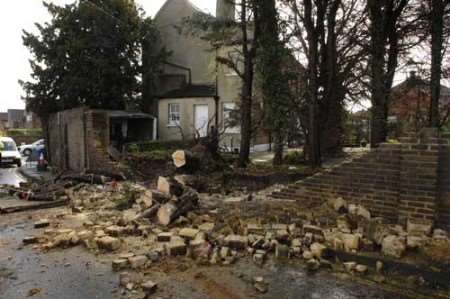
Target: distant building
x,y
16,118
19,119
3,120
411,102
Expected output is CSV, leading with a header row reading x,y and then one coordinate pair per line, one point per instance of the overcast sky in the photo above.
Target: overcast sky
x,y
16,15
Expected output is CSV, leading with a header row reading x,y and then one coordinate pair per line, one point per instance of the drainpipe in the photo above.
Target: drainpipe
x,y
155,128
217,97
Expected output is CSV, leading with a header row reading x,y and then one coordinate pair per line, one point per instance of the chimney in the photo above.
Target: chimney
x,y
225,9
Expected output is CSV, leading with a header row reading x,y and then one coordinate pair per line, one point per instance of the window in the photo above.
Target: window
x,y
174,115
9,146
230,118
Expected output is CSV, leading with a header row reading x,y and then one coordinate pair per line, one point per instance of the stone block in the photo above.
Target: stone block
x,y
164,237
188,233
176,247
108,243
317,250
149,287
119,264
236,242
281,251
137,262
42,223
393,246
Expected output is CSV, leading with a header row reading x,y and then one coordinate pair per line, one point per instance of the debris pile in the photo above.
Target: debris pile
x,y
143,227
57,189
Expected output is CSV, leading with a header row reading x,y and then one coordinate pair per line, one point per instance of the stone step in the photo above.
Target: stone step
x,y
279,195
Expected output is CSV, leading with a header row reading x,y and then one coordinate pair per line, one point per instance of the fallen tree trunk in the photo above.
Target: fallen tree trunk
x,y
196,182
177,207
109,175
85,178
41,197
150,212
169,186
160,197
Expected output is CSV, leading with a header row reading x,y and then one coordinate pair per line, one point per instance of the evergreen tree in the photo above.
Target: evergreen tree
x,y
274,82
89,54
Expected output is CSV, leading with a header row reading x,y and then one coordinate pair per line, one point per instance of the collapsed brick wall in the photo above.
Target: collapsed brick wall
x,y
394,181
97,141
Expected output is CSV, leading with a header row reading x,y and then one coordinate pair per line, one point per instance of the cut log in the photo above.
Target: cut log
x,y
175,208
169,186
187,161
181,158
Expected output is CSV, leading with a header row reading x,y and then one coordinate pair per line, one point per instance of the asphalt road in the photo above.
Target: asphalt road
x,y
9,175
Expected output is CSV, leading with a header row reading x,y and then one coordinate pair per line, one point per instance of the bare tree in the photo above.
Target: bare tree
x,y
388,25
230,36
329,36
439,10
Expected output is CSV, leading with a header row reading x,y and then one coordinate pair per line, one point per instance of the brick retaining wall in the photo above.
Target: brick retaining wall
x,y
396,181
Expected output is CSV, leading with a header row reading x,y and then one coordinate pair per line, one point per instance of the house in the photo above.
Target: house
x,y
16,118
81,139
195,92
3,120
411,101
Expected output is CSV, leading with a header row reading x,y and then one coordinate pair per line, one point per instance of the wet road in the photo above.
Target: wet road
x,y
59,274
75,273
9,175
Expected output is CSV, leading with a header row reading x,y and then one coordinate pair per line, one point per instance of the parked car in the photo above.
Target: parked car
x,y
9,152
36,146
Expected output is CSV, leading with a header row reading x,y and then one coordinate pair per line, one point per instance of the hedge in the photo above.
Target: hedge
x,y
24,132
152,146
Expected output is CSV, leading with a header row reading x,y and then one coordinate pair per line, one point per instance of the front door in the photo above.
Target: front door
x,y
201,119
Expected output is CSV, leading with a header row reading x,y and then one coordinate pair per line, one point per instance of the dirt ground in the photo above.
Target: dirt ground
x,y
26,271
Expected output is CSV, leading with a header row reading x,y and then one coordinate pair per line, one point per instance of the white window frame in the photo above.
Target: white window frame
x,y
226,111
174,117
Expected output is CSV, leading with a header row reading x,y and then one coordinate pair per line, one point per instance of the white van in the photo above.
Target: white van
x,y
9,152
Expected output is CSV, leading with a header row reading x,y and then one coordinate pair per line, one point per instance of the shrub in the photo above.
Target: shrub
x,y
24,132
151,146
153,155
294,157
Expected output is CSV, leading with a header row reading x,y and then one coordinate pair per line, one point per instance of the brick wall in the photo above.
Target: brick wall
x,y
97,140
395,181
78,140
444,184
